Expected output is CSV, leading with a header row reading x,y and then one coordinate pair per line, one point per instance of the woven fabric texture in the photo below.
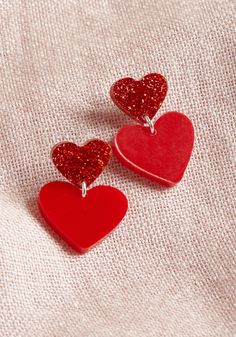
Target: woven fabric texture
x,y
168,269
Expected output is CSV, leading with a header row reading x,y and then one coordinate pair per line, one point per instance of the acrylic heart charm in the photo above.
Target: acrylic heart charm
x,y
81,222
81,163
162,156
140,97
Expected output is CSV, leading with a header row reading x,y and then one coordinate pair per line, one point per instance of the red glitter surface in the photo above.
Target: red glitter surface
x,y
81,163
140,97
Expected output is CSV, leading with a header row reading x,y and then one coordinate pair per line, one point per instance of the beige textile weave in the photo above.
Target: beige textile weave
x,y
168,269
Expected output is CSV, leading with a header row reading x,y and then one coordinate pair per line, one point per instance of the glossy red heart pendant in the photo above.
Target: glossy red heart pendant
x,y
162,156
81,217
82,222
138,98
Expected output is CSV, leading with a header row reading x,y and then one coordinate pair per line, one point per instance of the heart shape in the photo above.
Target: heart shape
x,y
140,97
81,163
81,222
163,156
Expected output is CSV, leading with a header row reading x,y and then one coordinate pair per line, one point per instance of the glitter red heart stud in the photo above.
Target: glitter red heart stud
x,y
139,98
81,216
80,164
162,152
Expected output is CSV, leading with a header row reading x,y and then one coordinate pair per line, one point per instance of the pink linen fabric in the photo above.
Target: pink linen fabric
x,y
169,268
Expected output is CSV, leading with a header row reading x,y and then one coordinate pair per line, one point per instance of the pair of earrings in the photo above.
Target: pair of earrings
x,y
160,151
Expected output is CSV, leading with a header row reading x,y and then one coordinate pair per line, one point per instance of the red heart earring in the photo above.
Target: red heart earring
x,y
162,151
81,216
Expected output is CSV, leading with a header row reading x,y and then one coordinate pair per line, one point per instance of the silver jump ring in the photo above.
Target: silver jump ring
x,y
149,123
84,189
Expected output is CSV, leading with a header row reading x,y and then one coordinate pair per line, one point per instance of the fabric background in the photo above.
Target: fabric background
x,y
168,269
